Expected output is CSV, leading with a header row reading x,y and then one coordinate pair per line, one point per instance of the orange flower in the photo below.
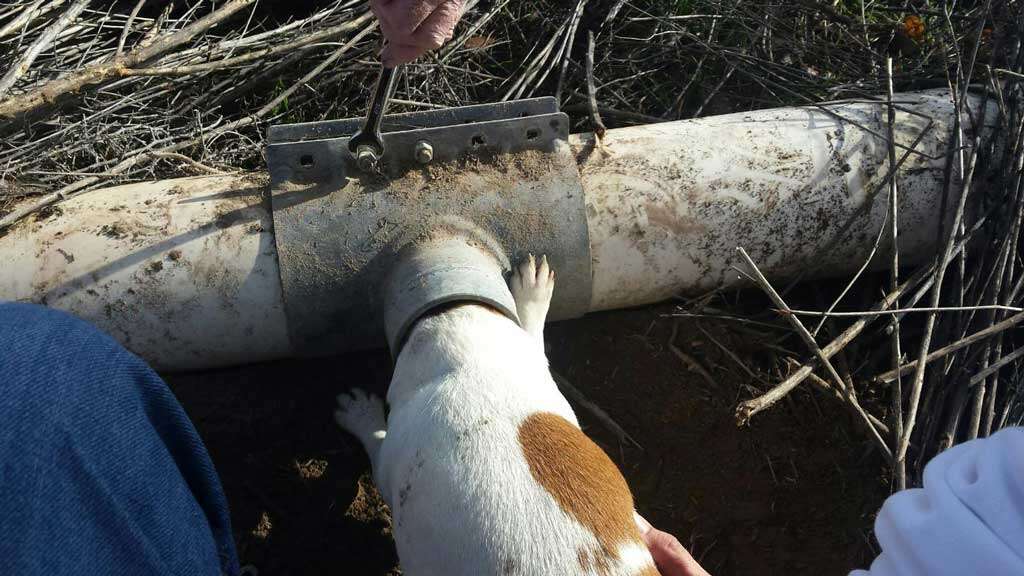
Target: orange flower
x,y
913,27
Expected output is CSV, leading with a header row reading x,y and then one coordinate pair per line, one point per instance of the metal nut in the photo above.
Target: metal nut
x,y
424,152
366,159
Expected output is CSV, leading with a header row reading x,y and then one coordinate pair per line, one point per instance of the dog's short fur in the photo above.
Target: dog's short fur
x,y
482,460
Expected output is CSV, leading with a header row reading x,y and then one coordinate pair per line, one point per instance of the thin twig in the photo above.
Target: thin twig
x,y
25,17
1009,73
102,72
946,350
744,411
896,395
595,116
570,38
127,163
128,28
831,391
906,311
193,163
21,66
755,405
996,366
688,360
255,55
918,381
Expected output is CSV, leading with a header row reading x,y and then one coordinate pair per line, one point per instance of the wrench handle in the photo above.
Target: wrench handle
x,y
370,134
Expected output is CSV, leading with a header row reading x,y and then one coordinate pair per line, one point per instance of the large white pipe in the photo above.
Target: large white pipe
x,y
669,203
184,272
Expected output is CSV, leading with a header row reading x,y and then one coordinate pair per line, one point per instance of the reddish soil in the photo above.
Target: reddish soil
x,y
795,492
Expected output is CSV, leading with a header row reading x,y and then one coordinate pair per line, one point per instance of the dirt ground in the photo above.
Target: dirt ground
x,y
795,492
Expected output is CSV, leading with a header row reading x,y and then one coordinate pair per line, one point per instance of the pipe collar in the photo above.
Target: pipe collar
x,y
433,273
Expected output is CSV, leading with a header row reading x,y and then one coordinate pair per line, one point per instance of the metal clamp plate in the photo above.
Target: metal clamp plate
x,y
501,175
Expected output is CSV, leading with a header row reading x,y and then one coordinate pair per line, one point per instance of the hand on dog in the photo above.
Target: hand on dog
x,y
669,555
415,27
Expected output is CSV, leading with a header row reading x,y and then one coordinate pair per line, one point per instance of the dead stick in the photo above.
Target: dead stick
x,y
128,28
21,66
193,163
25,17
566,50
945,351
755,405
831,391
809,340
102,72
595,116
80,186
902,311
917,384
896,400
690,361
996,366
254,55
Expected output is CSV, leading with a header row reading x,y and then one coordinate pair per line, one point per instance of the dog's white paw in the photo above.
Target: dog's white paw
x,y
362,415
532,286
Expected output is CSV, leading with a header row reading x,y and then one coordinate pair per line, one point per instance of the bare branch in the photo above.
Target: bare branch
x,y
22,65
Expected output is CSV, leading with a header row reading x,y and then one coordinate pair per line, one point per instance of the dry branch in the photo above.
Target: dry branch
x,y
128,163
26,16
255,55
118,68
595,115
42,43
742,414
958,345
688,360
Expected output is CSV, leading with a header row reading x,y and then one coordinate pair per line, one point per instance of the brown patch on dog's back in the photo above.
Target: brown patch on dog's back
x,y
583,480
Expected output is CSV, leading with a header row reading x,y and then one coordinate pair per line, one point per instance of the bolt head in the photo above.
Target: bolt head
x,y
366,159
424,152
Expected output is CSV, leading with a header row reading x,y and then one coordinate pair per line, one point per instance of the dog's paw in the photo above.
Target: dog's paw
x,y
361,414
532,285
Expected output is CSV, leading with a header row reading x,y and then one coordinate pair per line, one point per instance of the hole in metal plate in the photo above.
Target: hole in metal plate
x,y
306,160
478,140
532,133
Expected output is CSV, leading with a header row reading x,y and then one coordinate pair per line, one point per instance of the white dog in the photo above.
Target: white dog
x,y
482,460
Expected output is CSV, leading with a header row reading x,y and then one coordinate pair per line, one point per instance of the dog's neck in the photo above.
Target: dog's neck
x,y
448,338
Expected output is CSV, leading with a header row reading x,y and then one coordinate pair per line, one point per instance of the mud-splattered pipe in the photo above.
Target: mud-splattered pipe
x,y
184,272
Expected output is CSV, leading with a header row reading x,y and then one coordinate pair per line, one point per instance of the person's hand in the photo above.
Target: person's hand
x,y
414,27
669,555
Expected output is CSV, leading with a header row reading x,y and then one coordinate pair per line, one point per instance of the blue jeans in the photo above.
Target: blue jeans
x,y
101,471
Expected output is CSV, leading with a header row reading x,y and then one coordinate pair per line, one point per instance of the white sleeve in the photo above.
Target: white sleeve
x,y
967,519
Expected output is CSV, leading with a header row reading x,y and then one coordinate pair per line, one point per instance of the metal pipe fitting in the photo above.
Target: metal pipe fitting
x,y
437,272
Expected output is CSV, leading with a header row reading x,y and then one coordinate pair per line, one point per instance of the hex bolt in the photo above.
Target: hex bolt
x,y
366,159
424,152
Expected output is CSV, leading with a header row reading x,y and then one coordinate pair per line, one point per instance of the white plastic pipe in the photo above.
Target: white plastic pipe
x,y
669,203
184,272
